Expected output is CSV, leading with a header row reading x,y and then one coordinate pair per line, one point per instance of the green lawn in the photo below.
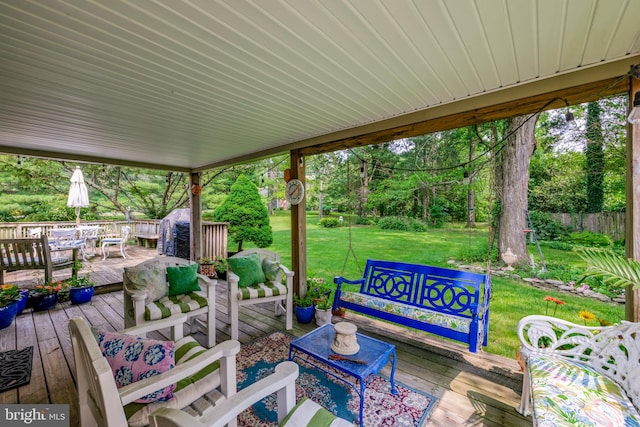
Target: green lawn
x,y
328,255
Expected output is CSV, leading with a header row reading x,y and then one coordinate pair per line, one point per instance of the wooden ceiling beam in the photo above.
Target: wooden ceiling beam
x,y
551,100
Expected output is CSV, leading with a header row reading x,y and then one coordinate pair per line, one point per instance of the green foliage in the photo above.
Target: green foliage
x,y
594,159
555,244
43,211
587,238
401,223
301,302
613,269
546,227
477,253
365,220
329,222
557,182
246,214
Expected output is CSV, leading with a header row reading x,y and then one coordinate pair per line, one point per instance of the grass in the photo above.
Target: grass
x,y
329,255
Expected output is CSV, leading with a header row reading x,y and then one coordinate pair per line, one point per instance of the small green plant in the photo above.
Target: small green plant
x,y
8,294
80,282
325,303
317,288
304,301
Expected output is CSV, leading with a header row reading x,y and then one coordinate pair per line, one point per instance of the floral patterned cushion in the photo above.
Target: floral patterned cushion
x,y
570,393
460,324
133,359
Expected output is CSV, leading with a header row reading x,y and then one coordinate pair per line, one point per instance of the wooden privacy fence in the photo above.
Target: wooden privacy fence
x,y
214,234
610,223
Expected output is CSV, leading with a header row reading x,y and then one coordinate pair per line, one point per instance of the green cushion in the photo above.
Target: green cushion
x,y
248,269
270,269
309,413
183,279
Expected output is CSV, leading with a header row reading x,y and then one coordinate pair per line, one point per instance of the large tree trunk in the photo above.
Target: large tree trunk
x,y
514,181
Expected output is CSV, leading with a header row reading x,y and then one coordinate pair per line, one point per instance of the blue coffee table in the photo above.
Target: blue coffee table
x,y
315,348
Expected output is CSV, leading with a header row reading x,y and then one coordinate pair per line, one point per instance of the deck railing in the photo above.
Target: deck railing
x,y
214,234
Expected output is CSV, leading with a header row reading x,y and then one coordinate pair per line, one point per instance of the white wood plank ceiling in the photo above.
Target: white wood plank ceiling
x,y
195,83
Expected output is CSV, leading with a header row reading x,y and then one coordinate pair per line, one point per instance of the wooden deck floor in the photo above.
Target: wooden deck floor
x,y
472,390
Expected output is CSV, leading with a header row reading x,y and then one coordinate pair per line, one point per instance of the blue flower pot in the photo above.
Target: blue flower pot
x,y
305,314
81,295
7,314
23,302
44,302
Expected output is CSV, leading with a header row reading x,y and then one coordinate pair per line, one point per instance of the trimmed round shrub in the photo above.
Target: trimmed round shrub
x,y
328,222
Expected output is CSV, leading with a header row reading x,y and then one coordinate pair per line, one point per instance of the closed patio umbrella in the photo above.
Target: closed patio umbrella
x,y
78,193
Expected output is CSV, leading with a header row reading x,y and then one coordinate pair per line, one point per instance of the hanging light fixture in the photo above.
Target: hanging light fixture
x,y
634,116
568,116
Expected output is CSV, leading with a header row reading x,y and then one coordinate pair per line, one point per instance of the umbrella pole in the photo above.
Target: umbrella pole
x,y
78,216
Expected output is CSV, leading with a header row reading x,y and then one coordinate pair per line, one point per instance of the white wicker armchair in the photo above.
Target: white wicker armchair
x,y
598,367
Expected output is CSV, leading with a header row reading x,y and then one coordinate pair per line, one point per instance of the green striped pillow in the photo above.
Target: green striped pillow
x,y
309,413
187,390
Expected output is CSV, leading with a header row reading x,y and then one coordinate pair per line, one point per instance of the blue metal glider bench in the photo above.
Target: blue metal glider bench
x,y
450,303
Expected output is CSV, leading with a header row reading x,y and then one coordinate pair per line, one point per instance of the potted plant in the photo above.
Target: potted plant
x,y
213,267
206,267
9,297
317,289
220,264
304,308
81,289
323,311
45,297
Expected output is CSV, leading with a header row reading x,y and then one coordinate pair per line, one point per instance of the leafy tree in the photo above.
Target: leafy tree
x,y
594,159
246,214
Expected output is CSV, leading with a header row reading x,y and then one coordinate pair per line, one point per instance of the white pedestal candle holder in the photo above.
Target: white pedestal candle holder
x,y
345,342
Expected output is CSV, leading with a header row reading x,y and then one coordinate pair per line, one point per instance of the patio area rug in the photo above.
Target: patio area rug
x,y
15,368
256,360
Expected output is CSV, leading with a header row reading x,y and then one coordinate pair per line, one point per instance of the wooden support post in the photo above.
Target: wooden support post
x,y
298,228
632,304
195,231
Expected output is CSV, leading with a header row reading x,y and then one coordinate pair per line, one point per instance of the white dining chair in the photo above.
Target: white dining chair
x,y
121,242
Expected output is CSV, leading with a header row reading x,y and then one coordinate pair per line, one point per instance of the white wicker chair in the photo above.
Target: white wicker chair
x,y
611,351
